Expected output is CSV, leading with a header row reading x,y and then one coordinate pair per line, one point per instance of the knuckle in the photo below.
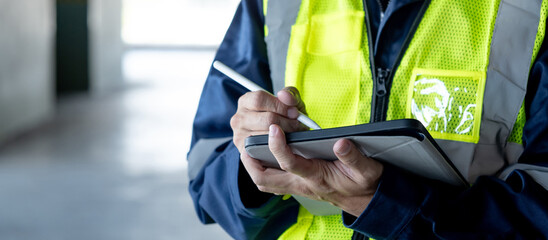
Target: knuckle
x,y
234,120
262,95
287,166
277,152
237,122
257,98
243,99
250,100
237,139
271,118
280,107
255,105
356,159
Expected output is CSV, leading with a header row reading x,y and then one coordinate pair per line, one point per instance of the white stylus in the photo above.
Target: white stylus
x,y
254,87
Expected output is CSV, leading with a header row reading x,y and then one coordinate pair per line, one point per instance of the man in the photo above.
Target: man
x,y
473,72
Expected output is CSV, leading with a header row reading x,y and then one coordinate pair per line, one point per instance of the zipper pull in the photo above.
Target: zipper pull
x,y
382,75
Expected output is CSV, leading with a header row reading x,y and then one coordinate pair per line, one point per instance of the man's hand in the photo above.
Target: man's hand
x,y
258,110
348,183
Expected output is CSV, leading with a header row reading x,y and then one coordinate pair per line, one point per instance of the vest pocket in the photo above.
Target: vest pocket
x,y
448,103
325,61
335,33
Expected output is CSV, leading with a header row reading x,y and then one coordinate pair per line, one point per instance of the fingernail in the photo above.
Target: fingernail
x,y
272,130
292,112
290,92
343,148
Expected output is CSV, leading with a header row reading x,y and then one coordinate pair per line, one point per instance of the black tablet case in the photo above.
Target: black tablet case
x,y
403,143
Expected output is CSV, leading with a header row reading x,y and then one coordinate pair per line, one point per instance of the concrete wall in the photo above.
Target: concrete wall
x,y
27,59
26,64
106,47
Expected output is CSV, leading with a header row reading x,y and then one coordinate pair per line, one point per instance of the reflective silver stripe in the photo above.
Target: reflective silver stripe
x,y
508,72
540,174
199,154
507,75
462,155
281,15
509,62
513,151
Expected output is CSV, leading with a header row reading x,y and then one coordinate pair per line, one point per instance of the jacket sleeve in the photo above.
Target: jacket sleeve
x,y
220,187
512,207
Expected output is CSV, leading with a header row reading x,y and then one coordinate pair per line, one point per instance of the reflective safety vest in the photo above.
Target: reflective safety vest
x,y
463,73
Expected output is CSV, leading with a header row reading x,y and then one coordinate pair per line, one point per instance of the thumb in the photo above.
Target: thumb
x,y
290,96
347,152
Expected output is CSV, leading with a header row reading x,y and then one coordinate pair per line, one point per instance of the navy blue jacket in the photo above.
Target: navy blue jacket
x,y
404,206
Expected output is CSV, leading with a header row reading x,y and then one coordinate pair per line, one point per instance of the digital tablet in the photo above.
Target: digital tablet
x,y
403,143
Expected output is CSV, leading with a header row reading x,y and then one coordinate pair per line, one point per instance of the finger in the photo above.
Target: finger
x,y
247,123
241,130
286,159
256,170
261,101
270,180
349,154
291,97
251,165
360,168
261,121
281,182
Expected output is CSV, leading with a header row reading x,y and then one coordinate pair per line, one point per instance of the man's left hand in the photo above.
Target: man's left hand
x,y
349,182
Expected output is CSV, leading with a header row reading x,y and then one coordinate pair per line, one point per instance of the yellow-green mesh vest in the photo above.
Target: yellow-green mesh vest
x,y
329,60
440,81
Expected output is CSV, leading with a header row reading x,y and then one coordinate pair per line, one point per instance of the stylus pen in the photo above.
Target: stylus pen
x,y
254,87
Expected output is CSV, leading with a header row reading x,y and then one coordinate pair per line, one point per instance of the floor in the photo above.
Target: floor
x,y
114,166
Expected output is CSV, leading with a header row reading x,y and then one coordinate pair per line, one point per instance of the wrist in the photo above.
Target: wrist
x,y
356,205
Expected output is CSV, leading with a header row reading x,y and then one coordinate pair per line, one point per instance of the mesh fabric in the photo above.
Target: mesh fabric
x,y
450,37
328,61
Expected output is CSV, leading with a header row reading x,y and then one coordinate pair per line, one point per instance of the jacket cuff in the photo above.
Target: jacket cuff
x,y
396,202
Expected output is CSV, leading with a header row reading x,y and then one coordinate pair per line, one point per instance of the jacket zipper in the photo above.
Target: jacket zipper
x,y
371,61
381,90
383,76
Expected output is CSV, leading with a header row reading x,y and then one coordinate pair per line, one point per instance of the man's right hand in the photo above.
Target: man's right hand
x,y
258,110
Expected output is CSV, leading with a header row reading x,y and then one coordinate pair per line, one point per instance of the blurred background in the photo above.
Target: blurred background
x,y
97,99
